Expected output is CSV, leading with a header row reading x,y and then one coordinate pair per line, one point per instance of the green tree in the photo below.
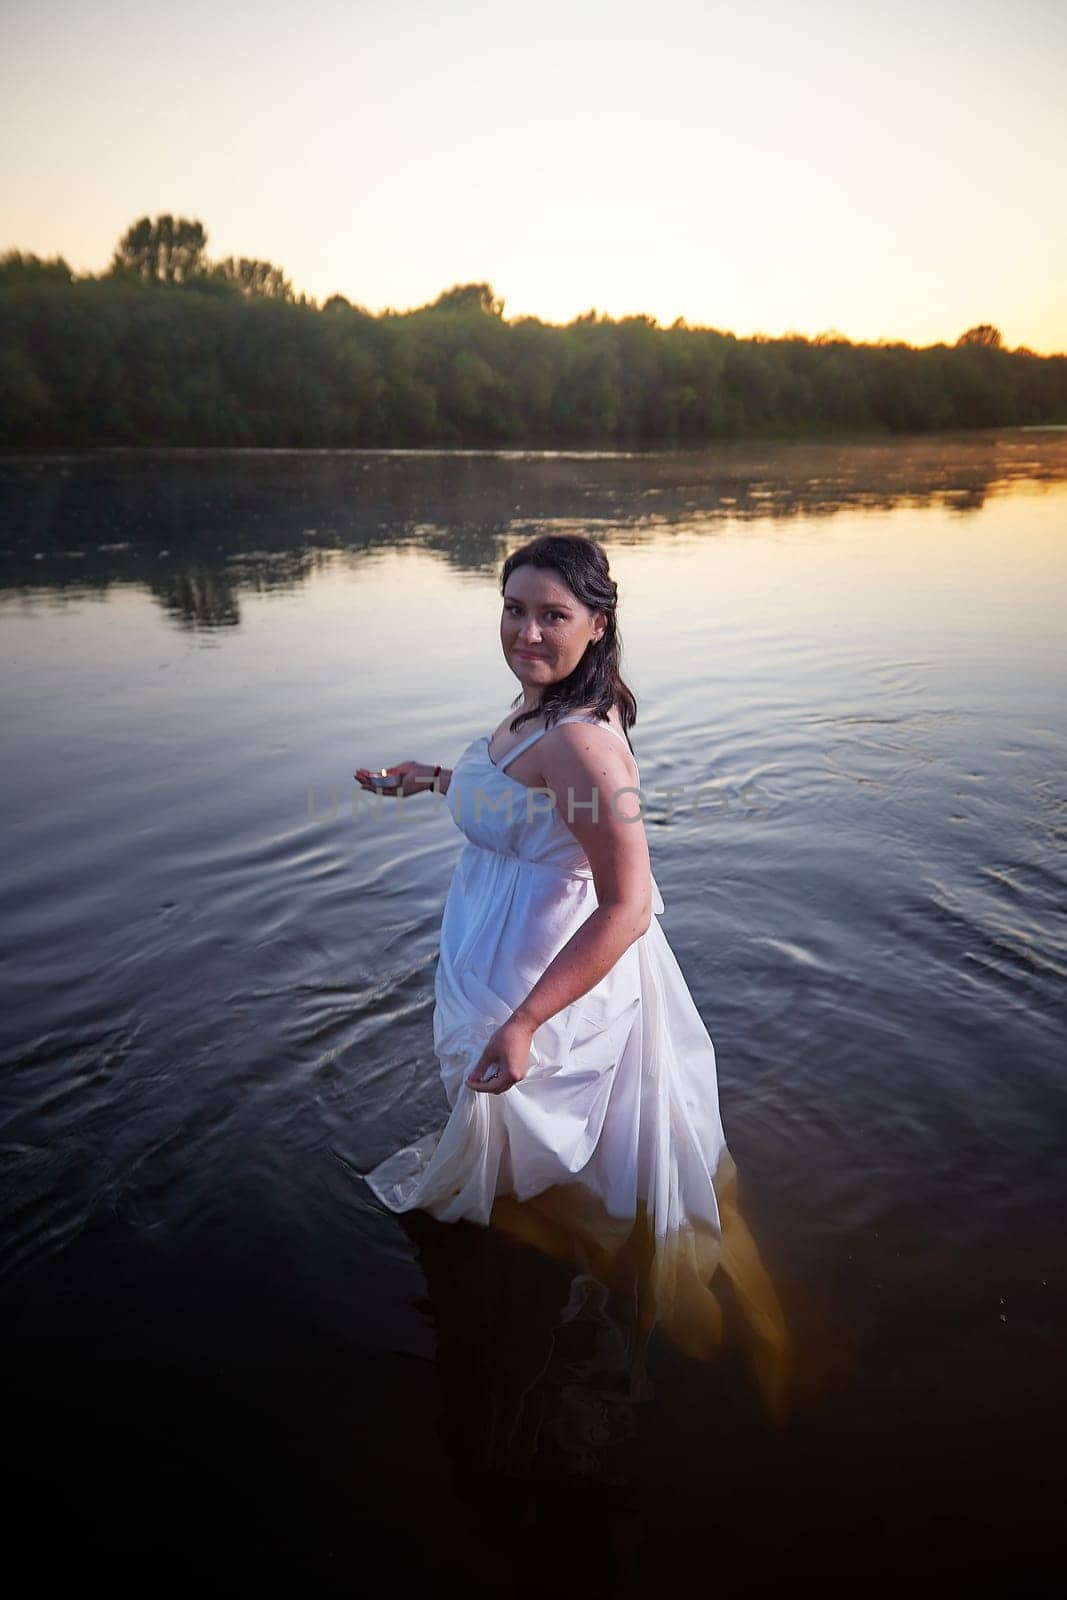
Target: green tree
x,y
469,297
167,250
255,278
984,334
235,359
18,268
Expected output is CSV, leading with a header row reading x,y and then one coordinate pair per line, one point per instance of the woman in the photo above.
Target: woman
x,y
580,1076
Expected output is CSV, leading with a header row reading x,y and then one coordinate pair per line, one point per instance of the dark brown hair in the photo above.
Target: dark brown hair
x,y
596,681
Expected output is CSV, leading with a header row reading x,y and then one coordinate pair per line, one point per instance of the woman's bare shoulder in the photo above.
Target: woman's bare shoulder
x,y
592,753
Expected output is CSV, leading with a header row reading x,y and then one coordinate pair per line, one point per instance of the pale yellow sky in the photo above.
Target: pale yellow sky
x,y
886,169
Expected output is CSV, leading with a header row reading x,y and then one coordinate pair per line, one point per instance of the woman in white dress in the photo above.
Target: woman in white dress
x,y
580,1076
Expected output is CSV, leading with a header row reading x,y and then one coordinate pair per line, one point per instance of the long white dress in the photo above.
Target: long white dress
x,y
610,1153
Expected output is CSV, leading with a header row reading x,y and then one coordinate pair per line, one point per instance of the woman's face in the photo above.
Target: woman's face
x,y
544,629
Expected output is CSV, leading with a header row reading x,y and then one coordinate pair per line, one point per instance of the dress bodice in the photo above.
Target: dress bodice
x,y
495,812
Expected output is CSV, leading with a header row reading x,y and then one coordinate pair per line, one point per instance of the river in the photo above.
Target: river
x,y
849,662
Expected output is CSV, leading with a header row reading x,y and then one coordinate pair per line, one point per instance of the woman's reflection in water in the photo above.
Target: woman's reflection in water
x,y
543,1342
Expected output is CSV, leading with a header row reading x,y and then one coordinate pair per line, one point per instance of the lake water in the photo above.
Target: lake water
x,y
218,977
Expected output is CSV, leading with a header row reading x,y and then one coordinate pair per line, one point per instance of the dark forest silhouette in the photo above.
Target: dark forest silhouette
x,y
169,348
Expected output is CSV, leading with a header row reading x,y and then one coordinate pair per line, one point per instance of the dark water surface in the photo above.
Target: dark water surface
x,y
223,1356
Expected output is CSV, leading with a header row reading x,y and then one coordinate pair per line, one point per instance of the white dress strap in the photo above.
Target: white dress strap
x,y
539,733
523,744
594,722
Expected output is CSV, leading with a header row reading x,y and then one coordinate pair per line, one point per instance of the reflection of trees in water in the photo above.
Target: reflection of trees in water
x,y
197,526
200,597
209,597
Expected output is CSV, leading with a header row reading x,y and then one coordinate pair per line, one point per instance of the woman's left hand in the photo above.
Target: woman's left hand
x,y
505,1059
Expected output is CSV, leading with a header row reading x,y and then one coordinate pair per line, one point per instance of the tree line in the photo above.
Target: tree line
x,y
167,347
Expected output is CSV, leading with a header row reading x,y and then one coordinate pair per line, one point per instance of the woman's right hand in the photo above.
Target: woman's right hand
x,y
413,777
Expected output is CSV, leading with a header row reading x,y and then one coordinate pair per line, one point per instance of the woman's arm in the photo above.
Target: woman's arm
x,y
593,780
421,777
594,786
586,958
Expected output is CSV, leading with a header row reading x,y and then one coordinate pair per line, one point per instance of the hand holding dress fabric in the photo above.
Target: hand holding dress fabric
x,y
505,1060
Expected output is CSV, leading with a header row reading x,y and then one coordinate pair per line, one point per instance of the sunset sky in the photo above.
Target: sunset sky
x,y
890,170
